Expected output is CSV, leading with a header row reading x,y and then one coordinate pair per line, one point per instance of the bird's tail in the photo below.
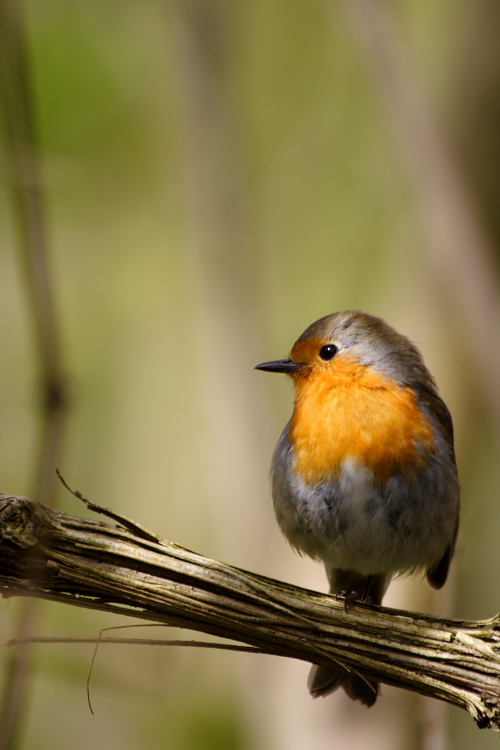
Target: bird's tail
x,y
325,679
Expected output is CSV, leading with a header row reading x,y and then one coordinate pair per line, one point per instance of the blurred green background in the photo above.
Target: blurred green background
x,y
218,175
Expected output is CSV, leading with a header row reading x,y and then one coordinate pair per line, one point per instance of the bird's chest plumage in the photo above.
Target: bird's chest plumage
x,y
357,417
350,473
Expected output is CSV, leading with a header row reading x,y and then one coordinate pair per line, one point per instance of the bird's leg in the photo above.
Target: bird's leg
x,y
366,597
349,599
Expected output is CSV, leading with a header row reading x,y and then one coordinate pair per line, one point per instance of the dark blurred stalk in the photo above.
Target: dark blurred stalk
x,y
23,163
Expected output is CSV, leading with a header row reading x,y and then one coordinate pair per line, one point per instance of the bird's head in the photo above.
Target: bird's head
x,y
351,345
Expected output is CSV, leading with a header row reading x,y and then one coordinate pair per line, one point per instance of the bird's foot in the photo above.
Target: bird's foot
x,y
348,599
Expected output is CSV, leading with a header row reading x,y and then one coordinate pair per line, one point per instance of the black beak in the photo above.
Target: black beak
x,y
281,365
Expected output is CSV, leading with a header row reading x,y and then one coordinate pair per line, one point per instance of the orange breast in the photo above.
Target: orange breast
x,y
350,412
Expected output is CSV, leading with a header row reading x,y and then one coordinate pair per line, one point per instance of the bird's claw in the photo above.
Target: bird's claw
x,y
348,598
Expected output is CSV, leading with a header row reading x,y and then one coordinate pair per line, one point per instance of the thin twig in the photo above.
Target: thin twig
x,y
131,641
128,642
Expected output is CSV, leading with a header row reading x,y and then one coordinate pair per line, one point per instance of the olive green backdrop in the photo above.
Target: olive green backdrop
x,y
217,176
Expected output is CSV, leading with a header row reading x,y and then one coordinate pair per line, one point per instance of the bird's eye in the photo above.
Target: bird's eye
x,y
328,352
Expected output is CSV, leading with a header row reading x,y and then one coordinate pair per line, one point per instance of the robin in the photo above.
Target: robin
x,y
364,475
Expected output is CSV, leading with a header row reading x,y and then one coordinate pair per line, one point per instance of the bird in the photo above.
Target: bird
x,y
364,476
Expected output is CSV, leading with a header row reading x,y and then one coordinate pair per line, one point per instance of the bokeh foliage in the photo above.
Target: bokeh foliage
x,y
218,175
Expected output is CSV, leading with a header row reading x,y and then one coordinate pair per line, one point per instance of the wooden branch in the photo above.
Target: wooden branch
x,y
128,570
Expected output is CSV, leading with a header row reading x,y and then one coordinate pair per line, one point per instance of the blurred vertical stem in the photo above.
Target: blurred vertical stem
x,y
223,260
23,162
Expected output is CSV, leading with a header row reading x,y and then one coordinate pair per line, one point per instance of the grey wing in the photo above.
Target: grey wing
x,y
435,405
438,574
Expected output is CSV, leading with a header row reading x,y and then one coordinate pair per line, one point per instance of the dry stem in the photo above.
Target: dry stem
x,y
128,570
